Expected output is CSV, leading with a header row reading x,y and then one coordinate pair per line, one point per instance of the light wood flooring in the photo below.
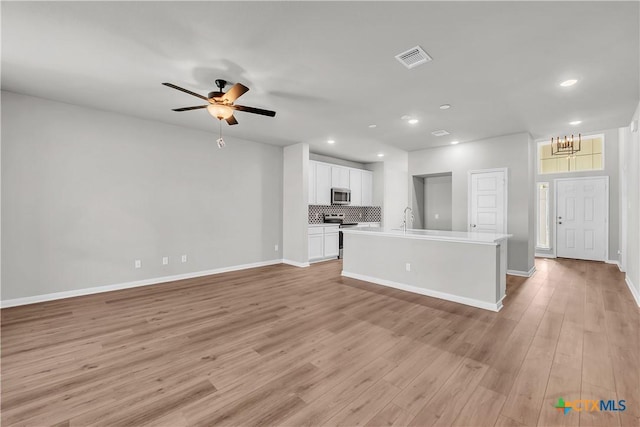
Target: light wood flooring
x,y
286,346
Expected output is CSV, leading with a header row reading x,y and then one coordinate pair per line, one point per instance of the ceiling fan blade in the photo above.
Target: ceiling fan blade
x,y
254,110
236,91
185,91
232,120
190,108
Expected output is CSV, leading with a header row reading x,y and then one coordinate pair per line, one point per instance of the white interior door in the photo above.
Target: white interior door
x,y
488,201
581,218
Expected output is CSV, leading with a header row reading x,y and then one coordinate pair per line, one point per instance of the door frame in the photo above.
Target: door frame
x,y
606,212
505,173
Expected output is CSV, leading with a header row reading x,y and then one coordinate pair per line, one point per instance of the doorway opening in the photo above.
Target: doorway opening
x,y
432,201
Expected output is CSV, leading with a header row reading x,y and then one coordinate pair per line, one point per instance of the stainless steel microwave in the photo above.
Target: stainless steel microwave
x,y
340,196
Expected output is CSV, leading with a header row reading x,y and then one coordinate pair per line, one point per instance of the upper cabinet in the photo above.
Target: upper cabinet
x,y
339,177
323,177
323,183
355,185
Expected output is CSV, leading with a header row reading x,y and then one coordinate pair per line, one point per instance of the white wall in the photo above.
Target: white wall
x,y
335,161
437,201
86,192
611,169
395,188
295,214
378,183
630,169
510,151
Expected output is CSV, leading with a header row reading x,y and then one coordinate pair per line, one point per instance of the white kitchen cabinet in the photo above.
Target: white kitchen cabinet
x,y
339,177
316,246
367,188
324,176
331,240
331,244
355,185
323,242
312,183
323,184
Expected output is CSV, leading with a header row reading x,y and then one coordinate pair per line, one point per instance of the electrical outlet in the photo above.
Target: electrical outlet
x,y
165,260
184,258
138,263
408,266
276,248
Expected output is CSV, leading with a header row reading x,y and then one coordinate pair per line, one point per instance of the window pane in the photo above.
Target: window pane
x,y
588,158
543,215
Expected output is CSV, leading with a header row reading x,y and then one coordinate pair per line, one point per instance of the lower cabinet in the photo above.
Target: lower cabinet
x,y
331,244
323,242
316,246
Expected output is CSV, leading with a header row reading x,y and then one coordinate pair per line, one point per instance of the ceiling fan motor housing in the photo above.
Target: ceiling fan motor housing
x,y
212,95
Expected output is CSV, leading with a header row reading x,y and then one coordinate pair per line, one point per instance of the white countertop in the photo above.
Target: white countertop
x,y
447,236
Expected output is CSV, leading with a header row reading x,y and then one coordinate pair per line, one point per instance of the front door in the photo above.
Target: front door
x,y
488,198
581,218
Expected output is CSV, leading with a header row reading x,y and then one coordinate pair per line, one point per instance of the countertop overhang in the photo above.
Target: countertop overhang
x,y
445,236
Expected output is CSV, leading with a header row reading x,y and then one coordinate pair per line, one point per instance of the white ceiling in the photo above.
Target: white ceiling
x,y
328,68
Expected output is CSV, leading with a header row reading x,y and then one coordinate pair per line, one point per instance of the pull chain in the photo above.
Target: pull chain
x,y
220,141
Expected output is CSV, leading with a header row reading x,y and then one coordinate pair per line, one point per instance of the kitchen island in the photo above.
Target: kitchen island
x,y
464,267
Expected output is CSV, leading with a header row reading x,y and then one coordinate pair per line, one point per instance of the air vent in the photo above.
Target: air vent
x,y
413,57
441,132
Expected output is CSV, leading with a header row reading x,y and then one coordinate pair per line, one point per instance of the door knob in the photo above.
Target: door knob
x,y
473,225
560,222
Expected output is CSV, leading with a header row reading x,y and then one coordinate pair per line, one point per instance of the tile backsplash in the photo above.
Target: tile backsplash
x,y
351,213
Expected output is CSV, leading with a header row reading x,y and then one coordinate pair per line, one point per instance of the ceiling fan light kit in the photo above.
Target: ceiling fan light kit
x,y
219,111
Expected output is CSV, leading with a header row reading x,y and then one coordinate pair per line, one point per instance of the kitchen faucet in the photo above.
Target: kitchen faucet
x,y
404,221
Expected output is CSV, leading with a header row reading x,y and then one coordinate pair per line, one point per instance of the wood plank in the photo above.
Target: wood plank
x,y
279,345
443,408
481,409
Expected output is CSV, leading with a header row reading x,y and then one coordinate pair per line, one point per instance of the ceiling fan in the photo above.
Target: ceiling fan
x,y
221,104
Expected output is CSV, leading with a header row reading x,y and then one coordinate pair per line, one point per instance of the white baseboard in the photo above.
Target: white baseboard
x,y
543,255
295,263
522,273
138,283
634,291
614,261
427,292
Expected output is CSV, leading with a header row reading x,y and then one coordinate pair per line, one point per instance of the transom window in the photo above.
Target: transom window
x,y
590,157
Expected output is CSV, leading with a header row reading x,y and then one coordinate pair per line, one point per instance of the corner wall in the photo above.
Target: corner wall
x,y
630,168
510,151
86,192
295,204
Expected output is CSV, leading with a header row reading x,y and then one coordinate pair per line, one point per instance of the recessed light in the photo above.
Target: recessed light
x,y
454,142
380,155
331,141
373,126
445,106
569,82
413,121
405,117
575,122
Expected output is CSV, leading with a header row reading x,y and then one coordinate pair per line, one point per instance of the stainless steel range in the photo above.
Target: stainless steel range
x,y
339,218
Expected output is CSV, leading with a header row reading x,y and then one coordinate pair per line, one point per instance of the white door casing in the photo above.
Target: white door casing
x,y
581,220
488,200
